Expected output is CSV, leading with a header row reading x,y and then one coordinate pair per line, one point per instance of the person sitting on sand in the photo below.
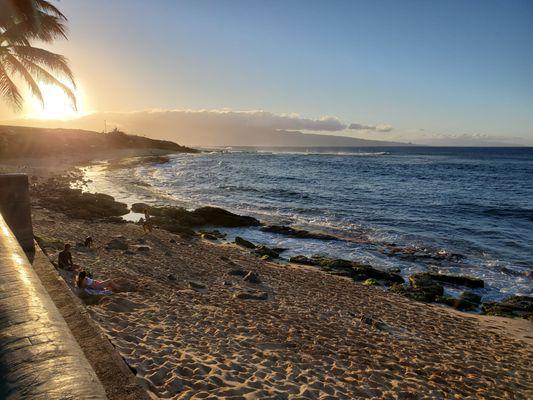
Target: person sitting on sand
x,y
147,225
83,281
64,259
88,242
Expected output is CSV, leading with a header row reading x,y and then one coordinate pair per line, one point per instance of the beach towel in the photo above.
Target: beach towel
x,y
97,292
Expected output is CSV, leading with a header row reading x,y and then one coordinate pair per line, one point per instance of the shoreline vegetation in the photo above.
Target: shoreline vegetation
x,y
229,320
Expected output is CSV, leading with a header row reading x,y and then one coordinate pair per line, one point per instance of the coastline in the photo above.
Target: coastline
x,y
186,331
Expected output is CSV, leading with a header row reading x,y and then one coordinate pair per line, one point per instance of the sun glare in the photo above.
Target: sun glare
x,y
57,105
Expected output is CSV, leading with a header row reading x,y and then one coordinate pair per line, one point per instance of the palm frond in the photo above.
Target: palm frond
x,y
46,77
9,90
16,66
47,29
49,8
54,62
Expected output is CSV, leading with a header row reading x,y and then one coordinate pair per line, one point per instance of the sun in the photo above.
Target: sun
x,y
57,105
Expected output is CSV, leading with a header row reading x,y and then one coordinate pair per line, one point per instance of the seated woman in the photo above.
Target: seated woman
x,y
85,282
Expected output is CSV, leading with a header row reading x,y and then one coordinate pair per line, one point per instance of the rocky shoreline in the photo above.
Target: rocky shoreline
x,y
56,194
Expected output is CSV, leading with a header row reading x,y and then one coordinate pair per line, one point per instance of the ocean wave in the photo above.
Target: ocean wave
x,y
510,213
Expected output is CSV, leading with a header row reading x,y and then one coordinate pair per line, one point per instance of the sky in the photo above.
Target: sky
x,y
432,72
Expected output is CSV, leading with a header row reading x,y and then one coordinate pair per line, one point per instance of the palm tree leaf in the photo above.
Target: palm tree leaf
x,y
52,61
47,28
9,90
16,66
46,77
49,8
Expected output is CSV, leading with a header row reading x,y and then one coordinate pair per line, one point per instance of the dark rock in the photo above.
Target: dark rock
x,y
115,220
425,286
227,283
208,236
197,285
297,233
279,250
514,306
251,295
56,194
303,260
128,252
213,234
460,280
117,244
49,243
238,272
141,241
168,253
244,243
252,277
220,217
470,297
171,277
172,240
142,248
467,301
266,251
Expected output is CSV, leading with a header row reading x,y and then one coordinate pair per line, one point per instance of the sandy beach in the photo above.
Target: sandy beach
x,y
191,326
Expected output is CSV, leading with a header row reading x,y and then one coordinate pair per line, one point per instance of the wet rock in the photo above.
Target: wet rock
x,y
266,251
208,236
297,233
303,260
514,306
252,277
351,269
56,194
244,243
220,217
117,244
212,235
461,280
426,286
467,301
251,295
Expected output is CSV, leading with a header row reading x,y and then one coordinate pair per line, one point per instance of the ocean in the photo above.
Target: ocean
x,y
476,202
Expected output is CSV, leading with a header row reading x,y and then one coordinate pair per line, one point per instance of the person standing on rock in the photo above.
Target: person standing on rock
x,y
147,224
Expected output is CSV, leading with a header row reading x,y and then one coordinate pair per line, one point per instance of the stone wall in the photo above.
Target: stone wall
x,y
15,207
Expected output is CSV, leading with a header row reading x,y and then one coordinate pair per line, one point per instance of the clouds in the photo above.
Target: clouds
x,y
221,127
377,128
255,119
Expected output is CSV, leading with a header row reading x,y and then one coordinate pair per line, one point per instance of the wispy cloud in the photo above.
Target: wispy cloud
x,y
377,128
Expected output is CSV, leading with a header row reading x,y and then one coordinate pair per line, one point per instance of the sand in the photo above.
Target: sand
x,y
317,336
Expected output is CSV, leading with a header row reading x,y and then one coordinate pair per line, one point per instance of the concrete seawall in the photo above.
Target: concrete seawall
x,y
39,357
15,207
